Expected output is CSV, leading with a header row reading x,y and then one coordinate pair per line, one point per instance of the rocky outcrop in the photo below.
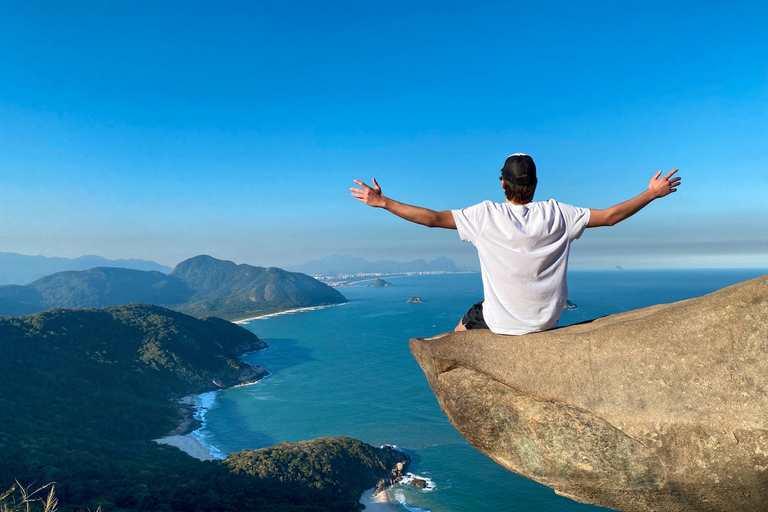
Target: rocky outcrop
x,y
663,408
378,283
396,471
415,300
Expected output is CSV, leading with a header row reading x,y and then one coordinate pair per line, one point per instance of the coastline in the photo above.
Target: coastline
x,y
381,502
185,437
189,445
286,312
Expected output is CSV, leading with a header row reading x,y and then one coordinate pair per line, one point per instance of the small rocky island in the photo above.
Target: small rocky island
x,y
378,283
570,305
415,300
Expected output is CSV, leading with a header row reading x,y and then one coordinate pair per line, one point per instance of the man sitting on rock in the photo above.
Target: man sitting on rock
x,y
523,245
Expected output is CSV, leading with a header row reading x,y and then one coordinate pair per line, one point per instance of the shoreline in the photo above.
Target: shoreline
x,y
189,445
193,409
381,502
286,312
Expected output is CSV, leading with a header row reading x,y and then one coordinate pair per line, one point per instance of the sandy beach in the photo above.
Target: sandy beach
x,y
187,444
286,312
382,502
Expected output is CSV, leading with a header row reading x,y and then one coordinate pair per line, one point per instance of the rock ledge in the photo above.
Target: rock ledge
x,y
658,409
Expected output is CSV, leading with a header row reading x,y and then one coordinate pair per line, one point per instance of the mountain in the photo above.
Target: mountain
x,y
228,290
94,288
84,392
23,269
337,265
201,286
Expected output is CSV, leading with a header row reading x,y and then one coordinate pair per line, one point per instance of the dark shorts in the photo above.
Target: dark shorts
x,y
474,317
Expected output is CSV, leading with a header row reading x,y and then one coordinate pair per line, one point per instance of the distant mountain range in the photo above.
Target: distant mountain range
x,y
200,286
23,269
337,265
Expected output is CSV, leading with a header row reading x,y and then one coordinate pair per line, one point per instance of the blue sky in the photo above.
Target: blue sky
x,y
163,130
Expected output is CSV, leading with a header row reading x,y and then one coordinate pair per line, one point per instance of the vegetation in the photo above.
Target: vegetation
x,y
22,269
84,392
20,499
94,288
230,291
200,286
339,465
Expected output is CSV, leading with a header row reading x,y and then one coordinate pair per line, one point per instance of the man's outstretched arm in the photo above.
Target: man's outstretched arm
x,y
372,196
659,187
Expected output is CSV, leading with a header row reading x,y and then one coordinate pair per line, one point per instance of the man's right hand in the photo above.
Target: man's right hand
x,y
372,197
368,195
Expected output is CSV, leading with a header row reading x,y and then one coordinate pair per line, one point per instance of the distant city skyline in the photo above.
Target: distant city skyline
x,y
165,130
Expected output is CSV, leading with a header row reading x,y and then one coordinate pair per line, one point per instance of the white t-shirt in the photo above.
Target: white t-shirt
x,y
523,254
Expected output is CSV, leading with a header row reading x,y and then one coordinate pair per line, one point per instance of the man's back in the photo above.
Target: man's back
x,y
523,251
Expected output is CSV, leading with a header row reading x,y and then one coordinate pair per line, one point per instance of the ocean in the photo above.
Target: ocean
x,y
347,370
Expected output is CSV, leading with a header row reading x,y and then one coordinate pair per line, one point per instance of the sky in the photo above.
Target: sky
x,y
162,130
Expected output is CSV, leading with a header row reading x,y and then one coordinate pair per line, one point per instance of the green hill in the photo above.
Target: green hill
x,y
231,291
22,269
84,391
200,286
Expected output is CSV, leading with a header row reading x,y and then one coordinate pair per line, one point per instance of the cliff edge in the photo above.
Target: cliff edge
x,y
663,408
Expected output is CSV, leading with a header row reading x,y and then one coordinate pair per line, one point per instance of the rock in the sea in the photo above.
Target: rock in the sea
x,y
659,409
378,283
419,483
415,300
570,305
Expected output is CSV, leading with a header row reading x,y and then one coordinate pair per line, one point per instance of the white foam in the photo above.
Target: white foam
x,y
244,384
399,496
410,477
203,403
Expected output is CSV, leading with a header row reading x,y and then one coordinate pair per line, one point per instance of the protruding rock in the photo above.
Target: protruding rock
x,y
663,408
379,283
415,300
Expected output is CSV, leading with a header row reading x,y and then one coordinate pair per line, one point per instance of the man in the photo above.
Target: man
x,y
523,245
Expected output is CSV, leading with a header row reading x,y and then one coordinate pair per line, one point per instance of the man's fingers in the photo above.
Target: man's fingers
x,y
669,174
656,176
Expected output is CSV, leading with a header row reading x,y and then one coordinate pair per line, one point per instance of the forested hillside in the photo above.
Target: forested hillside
x,y
228,290
84,391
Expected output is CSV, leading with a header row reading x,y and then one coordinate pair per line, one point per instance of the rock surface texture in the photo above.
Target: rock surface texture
x,y
659,409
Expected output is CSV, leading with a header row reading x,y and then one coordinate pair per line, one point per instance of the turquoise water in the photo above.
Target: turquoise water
x,y
347,370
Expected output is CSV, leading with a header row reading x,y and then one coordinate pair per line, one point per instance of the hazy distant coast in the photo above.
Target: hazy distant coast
x,y
354,279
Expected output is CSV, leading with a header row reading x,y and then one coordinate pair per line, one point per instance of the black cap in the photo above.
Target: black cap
x,y
519,169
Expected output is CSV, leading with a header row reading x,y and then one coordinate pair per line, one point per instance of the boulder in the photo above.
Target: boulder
x,y
659,409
